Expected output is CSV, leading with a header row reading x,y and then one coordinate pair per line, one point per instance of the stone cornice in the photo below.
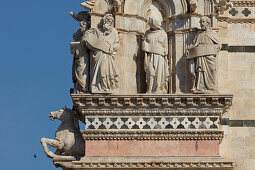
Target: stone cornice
x,y
152,135
210,163
142,104
88,101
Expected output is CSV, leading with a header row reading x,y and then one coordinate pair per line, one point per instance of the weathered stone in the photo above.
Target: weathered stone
x,y
133,123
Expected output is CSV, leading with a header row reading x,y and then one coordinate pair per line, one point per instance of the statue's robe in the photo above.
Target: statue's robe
x,y
204,67
104,76
156,63
80,68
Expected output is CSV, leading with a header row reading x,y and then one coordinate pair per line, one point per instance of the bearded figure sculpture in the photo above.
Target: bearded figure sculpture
x,y
104,44
202,58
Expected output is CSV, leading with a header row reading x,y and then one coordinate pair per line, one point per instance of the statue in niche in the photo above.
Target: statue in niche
x,y
202,58
156,62
80,67
103,43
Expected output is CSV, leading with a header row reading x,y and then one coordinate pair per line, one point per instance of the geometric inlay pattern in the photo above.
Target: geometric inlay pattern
x,y
246,12
233,12
152,122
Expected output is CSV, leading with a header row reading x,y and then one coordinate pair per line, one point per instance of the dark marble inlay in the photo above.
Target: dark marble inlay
x,y
246,12
233,12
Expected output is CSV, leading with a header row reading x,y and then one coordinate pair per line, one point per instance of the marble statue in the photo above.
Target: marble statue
x,y
156,62
104,44
68,138
202,58
80,67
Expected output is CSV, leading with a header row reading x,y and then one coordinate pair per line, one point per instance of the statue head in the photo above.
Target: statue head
x,y
205,23
107,23
154,23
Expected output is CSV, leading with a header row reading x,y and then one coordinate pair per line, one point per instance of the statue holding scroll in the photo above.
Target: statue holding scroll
x,y
202,58
104,44
156,61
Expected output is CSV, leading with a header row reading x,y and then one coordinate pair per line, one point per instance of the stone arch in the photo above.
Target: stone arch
x,y
170,7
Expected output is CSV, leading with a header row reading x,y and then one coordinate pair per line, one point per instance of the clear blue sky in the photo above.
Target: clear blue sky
x,y
35,71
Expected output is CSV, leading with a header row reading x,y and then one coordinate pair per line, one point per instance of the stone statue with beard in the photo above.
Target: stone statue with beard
x,y
202,58
104,44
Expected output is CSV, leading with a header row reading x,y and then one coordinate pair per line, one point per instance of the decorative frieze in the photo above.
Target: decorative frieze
x,y
152,135
183,104
154,112
151,101
243,3
151,123
146,163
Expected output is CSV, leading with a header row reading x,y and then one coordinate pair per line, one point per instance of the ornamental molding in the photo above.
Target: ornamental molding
x,y
155,112
152,135
146,163
236,20
148,123
143,101
243,3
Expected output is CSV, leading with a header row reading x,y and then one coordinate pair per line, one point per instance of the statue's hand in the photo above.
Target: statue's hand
x,y
219,48
144,45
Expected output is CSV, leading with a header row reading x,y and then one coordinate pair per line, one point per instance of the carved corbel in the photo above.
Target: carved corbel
x,y
222,5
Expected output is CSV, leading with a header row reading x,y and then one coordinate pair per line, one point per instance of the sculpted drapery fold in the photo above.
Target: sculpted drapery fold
x,y
80,66
156,62
202,58
104,44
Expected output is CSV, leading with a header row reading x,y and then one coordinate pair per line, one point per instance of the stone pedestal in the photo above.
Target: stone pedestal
x,y
150,131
